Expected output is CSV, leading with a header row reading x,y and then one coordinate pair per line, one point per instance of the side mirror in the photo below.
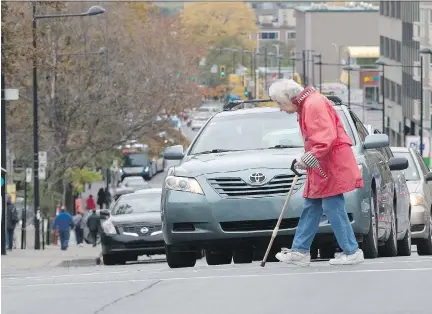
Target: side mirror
x,y
374,141
174,152
428,177
398,163
104,213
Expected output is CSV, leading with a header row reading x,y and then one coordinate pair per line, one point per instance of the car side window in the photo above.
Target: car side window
x,y
361,130
423,166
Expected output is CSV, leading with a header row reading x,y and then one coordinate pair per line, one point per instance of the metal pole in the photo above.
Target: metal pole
x,y
24,219
349,88
421,106
383,100
233,62
313,70
35,135
265,70
304,67
320,74
3,154
255,76
252,74
279,67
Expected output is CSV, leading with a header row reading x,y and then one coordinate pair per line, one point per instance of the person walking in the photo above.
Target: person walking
x,y
93,223
11,221
78,222
101,199
107,198
63,222
332,170
90,203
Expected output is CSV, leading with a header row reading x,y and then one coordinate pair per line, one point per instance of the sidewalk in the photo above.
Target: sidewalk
x,y
51,257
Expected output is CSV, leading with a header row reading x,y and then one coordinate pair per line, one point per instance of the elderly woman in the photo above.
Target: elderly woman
x,y
331,171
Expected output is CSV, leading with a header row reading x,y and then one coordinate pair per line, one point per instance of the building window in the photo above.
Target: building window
x,y
290,35
398,51
398,9
269,35
398,93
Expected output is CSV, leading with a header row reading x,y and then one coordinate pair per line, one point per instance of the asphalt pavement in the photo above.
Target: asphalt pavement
x,y
381,286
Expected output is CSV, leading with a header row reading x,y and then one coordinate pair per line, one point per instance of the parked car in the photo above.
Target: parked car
x,y
210,200
419,179
133,228
402,199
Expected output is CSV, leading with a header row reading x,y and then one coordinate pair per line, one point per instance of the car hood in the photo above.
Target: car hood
x,y
150,217
236,161
413,186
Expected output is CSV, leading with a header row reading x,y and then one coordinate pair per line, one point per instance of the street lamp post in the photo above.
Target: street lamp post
x,y
94,10
320,69
382,87
349,69
304,66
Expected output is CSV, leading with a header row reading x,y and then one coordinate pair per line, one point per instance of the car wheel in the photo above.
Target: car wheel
x,y
404,245
218,258
112,259
424,246
243,256
179,259
370,241
389,249
327,252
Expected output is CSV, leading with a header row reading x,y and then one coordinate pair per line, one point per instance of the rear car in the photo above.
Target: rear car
x,y
213,200
419,179
133,228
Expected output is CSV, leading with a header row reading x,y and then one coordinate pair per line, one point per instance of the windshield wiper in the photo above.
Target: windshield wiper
x,y
284,146
216,150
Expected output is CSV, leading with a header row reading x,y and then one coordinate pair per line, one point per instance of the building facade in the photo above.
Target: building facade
x,y
328,30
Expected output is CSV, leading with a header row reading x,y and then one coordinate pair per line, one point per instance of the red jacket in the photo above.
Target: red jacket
x,y
90,204
332,167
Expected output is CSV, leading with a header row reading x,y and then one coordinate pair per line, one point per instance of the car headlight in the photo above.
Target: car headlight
x,y
146,169
417,199
183,184
108,227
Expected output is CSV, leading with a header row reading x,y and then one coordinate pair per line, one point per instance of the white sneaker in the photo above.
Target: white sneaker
x,y
293,257
352,259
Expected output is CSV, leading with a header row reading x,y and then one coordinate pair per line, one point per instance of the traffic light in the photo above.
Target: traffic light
x,y
222,71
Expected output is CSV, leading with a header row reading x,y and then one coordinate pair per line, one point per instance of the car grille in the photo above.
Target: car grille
x,y
257,225
237,187
136,228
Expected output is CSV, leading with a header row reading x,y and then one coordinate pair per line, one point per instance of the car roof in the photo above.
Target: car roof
x,y
399,149
255,110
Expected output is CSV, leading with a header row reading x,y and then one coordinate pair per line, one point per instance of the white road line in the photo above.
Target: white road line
x,y
204,268
362,271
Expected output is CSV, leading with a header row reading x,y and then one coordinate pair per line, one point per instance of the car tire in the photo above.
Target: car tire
x,y
327,252
112,259
243,256
370,241
404,245
218,258
179,259
424,246
390,248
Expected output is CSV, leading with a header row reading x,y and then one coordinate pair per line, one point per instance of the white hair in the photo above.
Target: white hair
x,y
284,90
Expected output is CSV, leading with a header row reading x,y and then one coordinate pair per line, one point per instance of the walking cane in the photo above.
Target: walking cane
x,y
276,229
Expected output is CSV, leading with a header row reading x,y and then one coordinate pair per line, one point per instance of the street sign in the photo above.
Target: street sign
x,y
413,141
214,69
42,173
11,94
29,172
43,159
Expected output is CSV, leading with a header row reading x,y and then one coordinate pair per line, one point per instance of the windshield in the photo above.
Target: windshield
x,y
137,204
411,174
135,160
253,131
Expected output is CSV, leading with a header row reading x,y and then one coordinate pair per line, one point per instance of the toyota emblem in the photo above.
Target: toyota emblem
x,y
144,230
257,178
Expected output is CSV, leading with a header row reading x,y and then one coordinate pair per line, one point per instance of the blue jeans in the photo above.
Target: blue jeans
x,y
334,208
64,239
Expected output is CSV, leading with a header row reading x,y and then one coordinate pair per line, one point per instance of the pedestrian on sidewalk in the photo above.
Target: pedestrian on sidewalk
x,y
101,200
332,170
79,228
93,223
11,221
63,223
90,203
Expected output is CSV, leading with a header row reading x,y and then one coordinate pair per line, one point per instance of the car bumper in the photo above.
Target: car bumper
x,y
191,219
125,244
419,217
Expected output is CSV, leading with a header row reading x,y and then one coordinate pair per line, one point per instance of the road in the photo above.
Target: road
x,y
385,286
